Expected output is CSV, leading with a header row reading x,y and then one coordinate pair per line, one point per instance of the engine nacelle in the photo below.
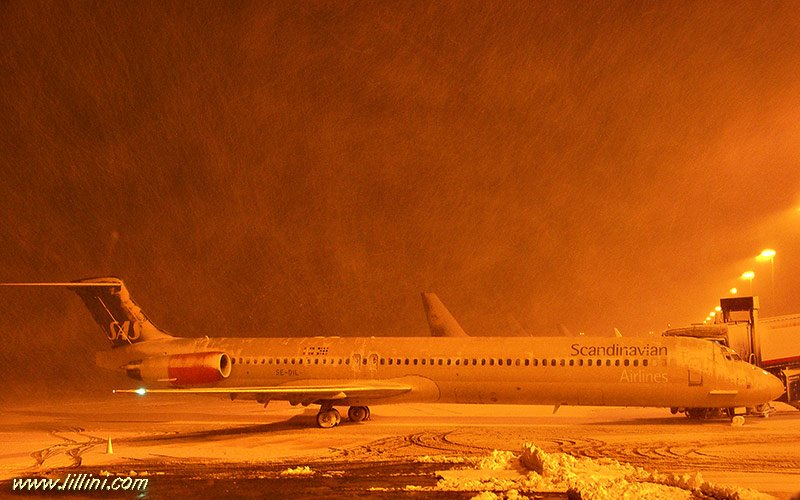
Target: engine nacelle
x,y
196,368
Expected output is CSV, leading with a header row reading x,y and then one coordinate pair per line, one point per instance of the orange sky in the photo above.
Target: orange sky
x,y
267,169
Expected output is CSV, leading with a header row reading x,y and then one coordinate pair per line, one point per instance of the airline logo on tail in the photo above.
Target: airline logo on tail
x,y
121,319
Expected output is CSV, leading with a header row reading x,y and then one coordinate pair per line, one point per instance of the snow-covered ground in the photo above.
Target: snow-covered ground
x,y
638,451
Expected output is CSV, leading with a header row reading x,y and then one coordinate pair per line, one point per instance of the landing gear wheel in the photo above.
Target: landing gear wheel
x,y
358,413
737,421
328,419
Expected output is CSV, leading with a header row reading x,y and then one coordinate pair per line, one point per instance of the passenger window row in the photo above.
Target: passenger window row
x,y
292,361
448,361
513,362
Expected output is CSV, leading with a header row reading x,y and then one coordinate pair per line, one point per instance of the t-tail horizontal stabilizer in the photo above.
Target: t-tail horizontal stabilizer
x,y
111,306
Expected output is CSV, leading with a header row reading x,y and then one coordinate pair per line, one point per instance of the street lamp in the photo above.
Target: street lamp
x,y
748,275
768,254
733,291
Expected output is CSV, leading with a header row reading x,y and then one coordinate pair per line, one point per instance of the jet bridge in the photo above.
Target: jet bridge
x,y
769,343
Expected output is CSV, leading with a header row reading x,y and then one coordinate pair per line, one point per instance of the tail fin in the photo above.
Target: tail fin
x,y
111,306
440,321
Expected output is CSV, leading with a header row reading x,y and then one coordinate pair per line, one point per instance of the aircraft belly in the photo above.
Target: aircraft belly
x,y
499,392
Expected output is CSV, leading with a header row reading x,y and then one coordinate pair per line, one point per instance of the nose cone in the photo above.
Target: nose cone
x,y
773,388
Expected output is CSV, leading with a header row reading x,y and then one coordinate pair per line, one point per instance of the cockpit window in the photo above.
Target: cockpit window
x,y
729,353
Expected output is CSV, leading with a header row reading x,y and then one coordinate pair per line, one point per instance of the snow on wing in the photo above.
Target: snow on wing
x,y
290,392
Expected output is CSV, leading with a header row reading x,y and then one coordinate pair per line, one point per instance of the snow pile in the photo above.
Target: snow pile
x,y
298,471
597,479
497,460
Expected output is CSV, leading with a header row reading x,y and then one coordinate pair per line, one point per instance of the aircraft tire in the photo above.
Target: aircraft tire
x,y
328,419
358,413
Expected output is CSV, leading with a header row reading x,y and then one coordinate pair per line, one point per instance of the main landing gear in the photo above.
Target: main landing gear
x,y
329,416
358,413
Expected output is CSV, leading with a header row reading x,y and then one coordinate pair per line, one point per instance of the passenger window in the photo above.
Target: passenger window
x,y
644,362
406,360
347,361
483,362
448,362
571,362
491,361
516,362
561,362
423,361
552,362
440,361
635,362
500,362
300,361
474,361
466,362
508,362
535,362
527,362
458,361
627,362
588,362
616,362
608,362
415,361
580,362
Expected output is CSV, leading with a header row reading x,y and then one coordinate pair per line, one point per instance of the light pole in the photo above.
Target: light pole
x,y
748,275
768,254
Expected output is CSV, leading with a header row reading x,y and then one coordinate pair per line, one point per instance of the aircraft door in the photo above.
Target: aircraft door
x,y
372,365
356,361
695,372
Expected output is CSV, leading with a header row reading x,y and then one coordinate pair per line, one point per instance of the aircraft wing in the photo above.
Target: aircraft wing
x,y
309,393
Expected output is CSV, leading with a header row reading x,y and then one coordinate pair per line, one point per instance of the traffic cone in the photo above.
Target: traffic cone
x,y
109,448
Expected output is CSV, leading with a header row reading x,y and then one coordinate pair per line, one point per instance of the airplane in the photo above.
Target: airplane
x,y
680,373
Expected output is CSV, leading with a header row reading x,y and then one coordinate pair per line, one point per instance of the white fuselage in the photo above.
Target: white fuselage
x,y
660,372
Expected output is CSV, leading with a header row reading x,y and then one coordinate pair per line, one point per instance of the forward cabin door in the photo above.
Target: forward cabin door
x,y
695,372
